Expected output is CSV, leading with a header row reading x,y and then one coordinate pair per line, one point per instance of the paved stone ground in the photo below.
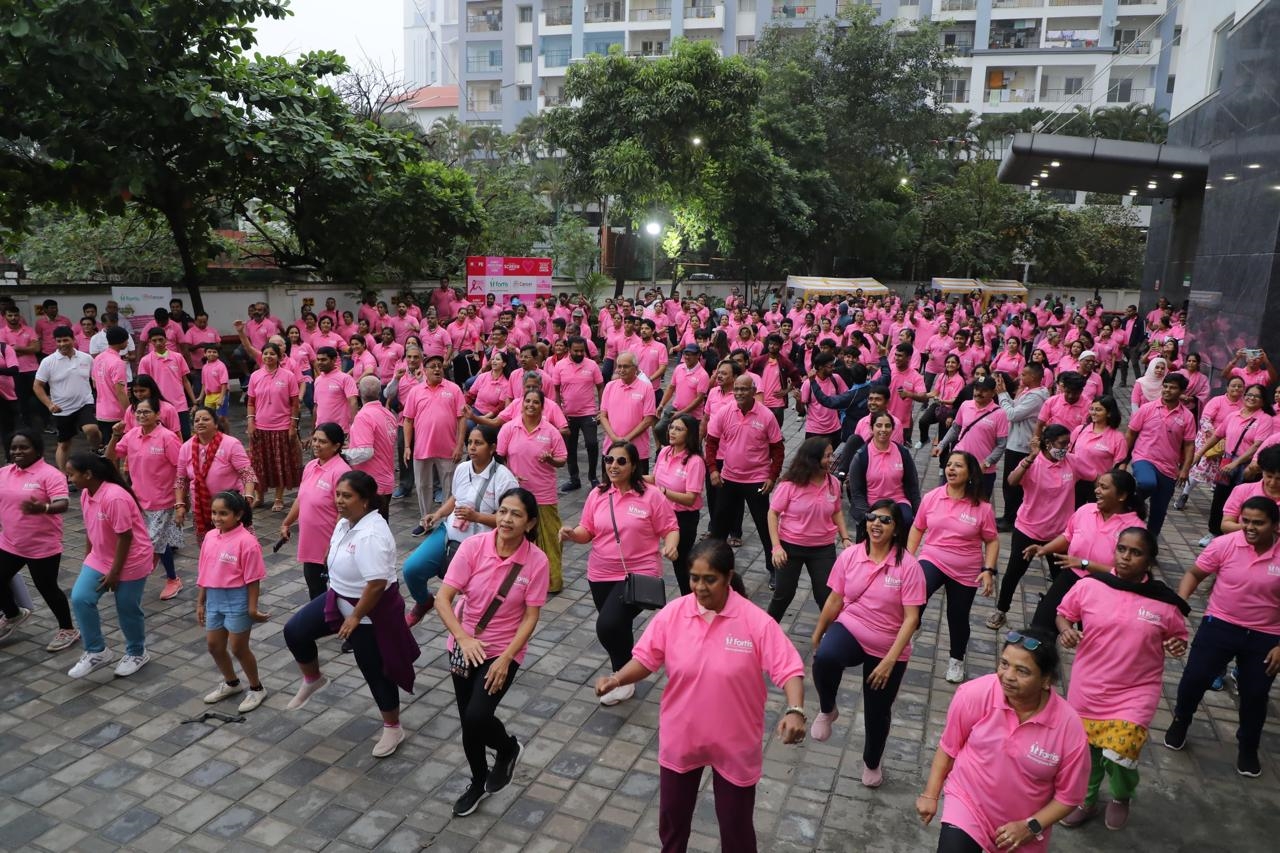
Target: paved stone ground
x,y
106,763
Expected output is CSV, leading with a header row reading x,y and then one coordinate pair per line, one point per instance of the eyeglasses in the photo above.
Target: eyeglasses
x,y
1253,396
616,460
1028,643
883,519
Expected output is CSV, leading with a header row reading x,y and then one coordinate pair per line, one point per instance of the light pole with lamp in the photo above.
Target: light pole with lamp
x,y
654,230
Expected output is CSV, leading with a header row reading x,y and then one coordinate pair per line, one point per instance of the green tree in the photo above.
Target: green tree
x,y
1093,247
574,250
76,246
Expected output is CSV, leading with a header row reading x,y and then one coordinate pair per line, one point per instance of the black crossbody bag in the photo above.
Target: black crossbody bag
x,y
643,591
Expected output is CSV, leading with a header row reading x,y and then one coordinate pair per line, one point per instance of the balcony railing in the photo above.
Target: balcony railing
x,y
959,5
1016,4
954,96
491,23
788,12
653,51
555,58
1117,95
556,100
699,11
560,17
604,15
1062,96
484,104
1139,2
960,48
1010,96
651,14
476,65
1014,40
1134,48
1078,2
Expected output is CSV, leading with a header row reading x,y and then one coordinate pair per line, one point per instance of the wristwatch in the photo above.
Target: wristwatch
x,y
1084,564
1036,829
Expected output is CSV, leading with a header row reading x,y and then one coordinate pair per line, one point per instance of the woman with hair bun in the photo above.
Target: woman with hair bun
x,y
313,510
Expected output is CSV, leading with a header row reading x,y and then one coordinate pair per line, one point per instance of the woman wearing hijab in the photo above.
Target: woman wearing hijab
x,y
1147,388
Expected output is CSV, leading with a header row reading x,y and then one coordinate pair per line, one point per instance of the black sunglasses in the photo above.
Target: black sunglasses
x,y
616,460
883,519
1028,643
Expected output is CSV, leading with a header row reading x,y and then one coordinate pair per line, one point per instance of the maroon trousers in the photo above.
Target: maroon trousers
x,y
735,810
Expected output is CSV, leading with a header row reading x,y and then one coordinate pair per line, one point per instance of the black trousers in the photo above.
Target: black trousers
x,y
477,708
1015,569
1084,493
614,621
30,412
729,506
818,560
839,650
1215,645
932,415
44,573
713,501
308,625
8,423
1217,505
1012,494
959,604
586,425
953,839
1047,610
688,523
317,578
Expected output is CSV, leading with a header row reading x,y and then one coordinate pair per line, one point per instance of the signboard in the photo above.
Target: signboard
x,y
138,305
505,278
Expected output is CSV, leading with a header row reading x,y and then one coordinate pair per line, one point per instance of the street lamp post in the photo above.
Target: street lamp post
x,y
654,230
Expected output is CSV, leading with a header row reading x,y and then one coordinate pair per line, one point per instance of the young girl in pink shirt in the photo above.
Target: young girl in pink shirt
x,y
229,572
214,385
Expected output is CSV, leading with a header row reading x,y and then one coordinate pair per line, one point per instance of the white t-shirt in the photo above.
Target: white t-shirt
x,y
67,380
359,554
465,483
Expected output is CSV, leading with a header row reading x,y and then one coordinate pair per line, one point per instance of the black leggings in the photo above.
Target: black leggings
x,y
586,425
932,415
1216,507
959,604
614,621
688,523
953,839
317,577
1047,611
1015,568
44,573
818,560
839,650
477,708
308,625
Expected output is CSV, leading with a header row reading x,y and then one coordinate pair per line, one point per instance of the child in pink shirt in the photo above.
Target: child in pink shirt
x,y
229,573
214,385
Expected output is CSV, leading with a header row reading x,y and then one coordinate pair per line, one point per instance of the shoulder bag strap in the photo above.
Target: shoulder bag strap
x,y
974,423
1239,441
501,596
617,540
484,484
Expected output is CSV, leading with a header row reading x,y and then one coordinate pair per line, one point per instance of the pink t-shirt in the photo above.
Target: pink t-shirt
x,y
375,427
1005,770
805,512
153,464
386,357
685,473
956,532
1239,495
491,394
1240,431
167,370
363,365
876,596
981,430
1092,537
108,514
948,387
900,407
213,378
109,371
627,406
1216,410
1261,376
521,449
642,522
435,341
688,385
715,666
38,535
820,419
577,383
195,338
333,393
515,383
23,336
477,572
1246,589
1161,435
1056,410
230,560
230,464
1091,454
273,394
435,411
744,439
885,474
650,356
1119,663
1049,498
317,513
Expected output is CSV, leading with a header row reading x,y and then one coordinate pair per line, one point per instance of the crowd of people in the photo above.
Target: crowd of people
x,y
474,408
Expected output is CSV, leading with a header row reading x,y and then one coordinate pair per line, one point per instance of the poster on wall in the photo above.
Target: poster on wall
x,y
506,278
138,305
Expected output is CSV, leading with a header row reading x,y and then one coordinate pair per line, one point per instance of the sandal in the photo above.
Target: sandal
x,y
277,507
733,542
996,621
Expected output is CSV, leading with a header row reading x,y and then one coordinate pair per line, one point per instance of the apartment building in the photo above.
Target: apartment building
x,y
509,57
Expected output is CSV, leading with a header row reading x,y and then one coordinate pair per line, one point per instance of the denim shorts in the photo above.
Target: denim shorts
x,y
227,608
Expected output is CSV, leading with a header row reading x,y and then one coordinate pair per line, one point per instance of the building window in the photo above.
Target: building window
x,y
1219,55
1168,86
524,93
955,90
1072,85
1177,35
746,45
526,14
525,53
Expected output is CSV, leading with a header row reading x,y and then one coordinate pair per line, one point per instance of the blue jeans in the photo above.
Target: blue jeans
x,y
1157,489
1215,645
84,604
426,562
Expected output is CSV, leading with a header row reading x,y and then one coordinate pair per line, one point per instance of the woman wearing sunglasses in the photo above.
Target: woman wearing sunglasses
x,y
877,590
1132,622
622,519
1013,759
882,470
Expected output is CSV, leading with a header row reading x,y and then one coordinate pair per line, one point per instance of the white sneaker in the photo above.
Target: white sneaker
x,y
618,694
252,699
1205,540
955,671
90,661
222,691
129,664
917,445
7,625
63,639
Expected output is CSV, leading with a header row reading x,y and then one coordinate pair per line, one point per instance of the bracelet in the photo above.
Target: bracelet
x,y
47,507
176,506
994,573
927,797
795,709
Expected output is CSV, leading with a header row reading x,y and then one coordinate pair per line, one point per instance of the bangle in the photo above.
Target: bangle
x,y
177,505
795,709
927,797
994,573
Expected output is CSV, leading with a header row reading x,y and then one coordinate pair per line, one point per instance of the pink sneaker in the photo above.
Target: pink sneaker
x,y
872,778
172,587
418,612
821,728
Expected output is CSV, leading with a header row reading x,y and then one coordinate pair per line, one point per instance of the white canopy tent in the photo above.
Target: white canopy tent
x,y
812,285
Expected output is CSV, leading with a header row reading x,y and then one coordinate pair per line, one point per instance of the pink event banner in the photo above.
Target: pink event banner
x,y
505,278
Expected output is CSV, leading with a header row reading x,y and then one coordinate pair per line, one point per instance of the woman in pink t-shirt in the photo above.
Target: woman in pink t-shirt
x,y
1212,416
273,426
622,519
119,560
714,645
362,361
314,510
1131,621
679,474
1048,484
150,453
1097,446
1013,757
210,462
804,518
33,497
502,578
491,392
954,537
877,591
145,388
943,396
533,449
1241,432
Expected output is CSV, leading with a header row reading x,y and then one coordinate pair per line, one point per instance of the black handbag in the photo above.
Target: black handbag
x,y
643,591
458,664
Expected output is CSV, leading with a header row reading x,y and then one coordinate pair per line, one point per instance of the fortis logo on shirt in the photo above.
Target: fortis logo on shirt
x,y
736,644
1040,755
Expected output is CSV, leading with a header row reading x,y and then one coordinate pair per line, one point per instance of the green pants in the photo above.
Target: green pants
x,y
549,541
1124,780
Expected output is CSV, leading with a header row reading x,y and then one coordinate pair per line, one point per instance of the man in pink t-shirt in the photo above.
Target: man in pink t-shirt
x,y
111,381
687,391
46,321
627,408
193,341
1161,439
747,439
434,432
335,390
169,370
578,381
371,442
